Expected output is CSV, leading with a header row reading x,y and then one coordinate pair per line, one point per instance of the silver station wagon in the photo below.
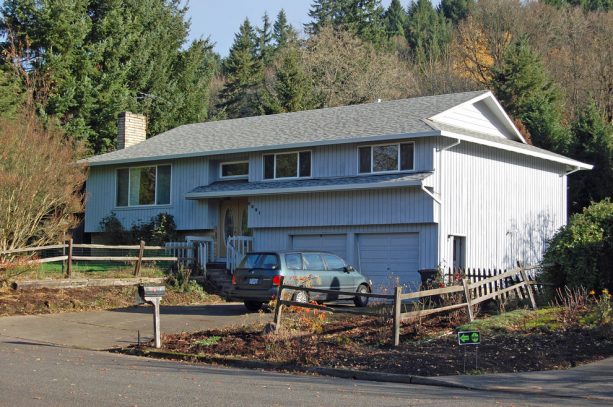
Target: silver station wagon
x,y
259,274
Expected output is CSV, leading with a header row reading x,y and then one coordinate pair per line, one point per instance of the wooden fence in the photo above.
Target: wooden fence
x,y
470,293
69,254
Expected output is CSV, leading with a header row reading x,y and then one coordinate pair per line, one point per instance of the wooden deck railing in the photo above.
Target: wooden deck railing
x,y
470,293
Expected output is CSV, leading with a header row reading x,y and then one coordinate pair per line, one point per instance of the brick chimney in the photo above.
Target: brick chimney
x,y
131,129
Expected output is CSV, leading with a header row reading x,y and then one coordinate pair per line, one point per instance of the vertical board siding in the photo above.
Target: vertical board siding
x,y
186,175
280,238
341,160
377,206
506,205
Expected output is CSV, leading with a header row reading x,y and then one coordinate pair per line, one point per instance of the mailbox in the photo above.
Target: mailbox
x,y
149,292
153,295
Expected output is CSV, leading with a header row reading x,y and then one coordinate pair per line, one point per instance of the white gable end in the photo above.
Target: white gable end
x,y
482,114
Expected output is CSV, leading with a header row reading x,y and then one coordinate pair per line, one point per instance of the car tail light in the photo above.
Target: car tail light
x,y
233,280
276,280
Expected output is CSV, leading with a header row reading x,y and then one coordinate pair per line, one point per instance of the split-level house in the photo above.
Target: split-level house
x,y
393,187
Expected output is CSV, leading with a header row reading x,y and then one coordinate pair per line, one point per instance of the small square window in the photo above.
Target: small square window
x,y
231,170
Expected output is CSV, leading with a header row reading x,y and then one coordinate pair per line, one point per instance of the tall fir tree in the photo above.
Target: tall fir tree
x,y
525,90
322,13
456,10
282,32
243,73
101,57
395,19
264,43
592,143
292,88
427,32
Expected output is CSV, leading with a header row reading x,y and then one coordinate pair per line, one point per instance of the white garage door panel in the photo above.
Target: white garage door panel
x,y
386,258
336,244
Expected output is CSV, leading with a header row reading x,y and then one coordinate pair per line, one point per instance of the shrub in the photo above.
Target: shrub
x,y
580,253
159,230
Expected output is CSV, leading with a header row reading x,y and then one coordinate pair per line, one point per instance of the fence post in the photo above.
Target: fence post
x,y
278,310
141,251
524,277
397,313
468,300
69,260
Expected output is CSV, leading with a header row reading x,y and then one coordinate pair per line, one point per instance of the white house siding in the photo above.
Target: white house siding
x,y
426,235
506,205
475,117
342,159
189,215
377,206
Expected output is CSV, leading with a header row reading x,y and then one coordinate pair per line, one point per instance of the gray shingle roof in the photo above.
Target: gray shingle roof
x,y
290,129
245,188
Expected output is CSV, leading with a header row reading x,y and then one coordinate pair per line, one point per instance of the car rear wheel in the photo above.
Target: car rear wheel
x,y
361,301
253,306
301,296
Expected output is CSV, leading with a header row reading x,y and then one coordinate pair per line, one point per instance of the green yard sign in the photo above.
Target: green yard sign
x,y
469,338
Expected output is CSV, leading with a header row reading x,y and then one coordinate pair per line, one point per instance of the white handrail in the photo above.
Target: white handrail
x,y
237,247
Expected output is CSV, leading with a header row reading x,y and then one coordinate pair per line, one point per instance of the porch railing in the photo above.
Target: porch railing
x,y
237,247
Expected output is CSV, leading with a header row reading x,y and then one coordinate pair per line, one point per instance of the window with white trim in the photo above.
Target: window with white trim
x,y
236,169
287,165
386,158
142,186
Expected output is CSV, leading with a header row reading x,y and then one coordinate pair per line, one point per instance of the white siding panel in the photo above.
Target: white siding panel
x,y
390,259
476,117
333,243
507,205
186,175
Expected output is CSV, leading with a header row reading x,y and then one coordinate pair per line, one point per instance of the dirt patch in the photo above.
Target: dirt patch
x,y
430,349
48,301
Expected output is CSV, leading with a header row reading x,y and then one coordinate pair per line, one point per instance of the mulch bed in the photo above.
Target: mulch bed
x,y
429,349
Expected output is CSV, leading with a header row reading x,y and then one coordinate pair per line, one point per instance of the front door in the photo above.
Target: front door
x,y
232,222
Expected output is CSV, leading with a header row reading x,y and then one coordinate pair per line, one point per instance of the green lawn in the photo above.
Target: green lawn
x,y
91,269
521,319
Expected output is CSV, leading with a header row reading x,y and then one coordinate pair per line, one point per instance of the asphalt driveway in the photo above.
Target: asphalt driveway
x,y
100,330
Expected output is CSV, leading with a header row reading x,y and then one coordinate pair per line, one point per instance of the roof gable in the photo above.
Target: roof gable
x,y
481,114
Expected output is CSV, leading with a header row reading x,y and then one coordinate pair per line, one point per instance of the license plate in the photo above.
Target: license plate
x,y
254,281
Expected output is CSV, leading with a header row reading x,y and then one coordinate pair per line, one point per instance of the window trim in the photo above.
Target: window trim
x,y
399,157
274,171
154,205
221,164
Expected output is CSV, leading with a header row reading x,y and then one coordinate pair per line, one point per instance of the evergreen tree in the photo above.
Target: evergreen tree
x,y
292,88
11,94
283,32
427,32
590,5
456,10
527,93
101,57
243,75
395,19
322,13
592,143
264,41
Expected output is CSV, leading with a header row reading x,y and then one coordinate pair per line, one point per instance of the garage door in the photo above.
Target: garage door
x,y
336,244
387,258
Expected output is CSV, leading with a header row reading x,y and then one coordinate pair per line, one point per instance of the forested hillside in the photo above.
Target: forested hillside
x,y
80,63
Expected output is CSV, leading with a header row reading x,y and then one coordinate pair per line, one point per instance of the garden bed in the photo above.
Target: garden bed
x,y
512,342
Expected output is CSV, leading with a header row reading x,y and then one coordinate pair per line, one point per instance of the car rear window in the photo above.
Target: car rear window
x,y
313,261
260,261
293,261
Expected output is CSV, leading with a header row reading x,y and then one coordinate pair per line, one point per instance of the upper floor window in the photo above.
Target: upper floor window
x,y
238,169
386,158
143,186
287,165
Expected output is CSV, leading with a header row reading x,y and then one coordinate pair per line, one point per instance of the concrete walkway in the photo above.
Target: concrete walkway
x,y
593,381
99,330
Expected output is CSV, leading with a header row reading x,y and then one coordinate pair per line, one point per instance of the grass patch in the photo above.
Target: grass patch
x,y
520,319
210,341
90,269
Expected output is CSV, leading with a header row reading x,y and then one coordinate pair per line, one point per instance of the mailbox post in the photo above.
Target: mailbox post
x,y
153,295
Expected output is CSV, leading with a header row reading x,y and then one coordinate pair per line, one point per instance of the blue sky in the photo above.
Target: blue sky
x,y
220,19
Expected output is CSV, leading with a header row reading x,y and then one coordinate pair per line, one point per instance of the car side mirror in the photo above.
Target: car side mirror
x,y
349,269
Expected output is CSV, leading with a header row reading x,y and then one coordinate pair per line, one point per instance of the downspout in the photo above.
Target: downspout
x,y
440,186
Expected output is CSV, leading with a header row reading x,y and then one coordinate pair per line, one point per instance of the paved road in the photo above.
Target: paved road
x,y
45,375
120,327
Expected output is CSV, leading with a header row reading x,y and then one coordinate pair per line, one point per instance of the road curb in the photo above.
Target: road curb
x,y
324,371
